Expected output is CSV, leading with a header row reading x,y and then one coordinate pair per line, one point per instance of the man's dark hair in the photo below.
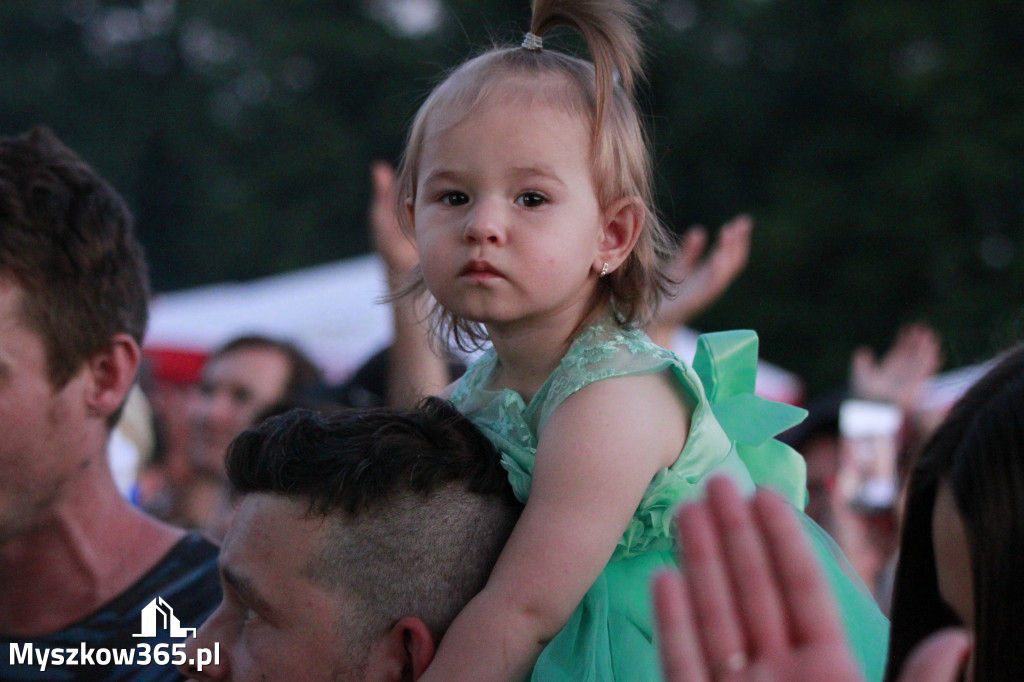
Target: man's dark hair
x,y
66,238
419,501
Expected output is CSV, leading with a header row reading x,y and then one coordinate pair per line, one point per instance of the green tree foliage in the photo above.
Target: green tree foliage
x,y
878,144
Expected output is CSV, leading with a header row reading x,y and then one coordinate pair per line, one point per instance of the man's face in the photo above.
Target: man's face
x,y
275,622
234,389
45,436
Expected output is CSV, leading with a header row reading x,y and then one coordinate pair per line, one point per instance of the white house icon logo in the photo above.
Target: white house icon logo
x,y
167,620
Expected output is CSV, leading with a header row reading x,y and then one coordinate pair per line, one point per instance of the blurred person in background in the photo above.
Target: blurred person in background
x,y
961,552
859,442
239,381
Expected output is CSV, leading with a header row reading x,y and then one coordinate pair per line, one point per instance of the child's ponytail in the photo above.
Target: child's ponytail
x,y
611,31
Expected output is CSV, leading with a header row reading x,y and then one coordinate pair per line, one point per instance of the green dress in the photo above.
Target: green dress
x,y
610,636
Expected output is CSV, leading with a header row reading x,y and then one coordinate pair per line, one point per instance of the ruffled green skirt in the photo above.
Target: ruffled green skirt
x,y
611,634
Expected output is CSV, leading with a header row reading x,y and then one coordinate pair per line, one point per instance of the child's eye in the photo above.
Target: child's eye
x,y
532,199
454,199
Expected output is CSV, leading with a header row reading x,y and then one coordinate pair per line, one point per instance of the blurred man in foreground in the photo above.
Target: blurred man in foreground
x,y
78,563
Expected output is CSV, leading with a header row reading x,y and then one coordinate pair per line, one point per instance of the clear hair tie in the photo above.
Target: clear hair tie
x,y
532,42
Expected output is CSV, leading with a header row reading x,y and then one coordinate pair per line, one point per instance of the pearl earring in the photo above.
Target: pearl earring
x,y
604,270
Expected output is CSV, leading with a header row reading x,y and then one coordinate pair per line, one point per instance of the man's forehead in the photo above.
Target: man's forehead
x,y
269,548
265,547
262,355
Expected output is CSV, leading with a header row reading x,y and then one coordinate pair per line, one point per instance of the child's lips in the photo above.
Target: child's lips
x,y
480,269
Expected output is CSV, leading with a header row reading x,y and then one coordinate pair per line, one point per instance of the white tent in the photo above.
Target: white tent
x,y
329,311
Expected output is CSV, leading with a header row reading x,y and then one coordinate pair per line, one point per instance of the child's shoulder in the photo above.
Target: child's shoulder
x,y
608,351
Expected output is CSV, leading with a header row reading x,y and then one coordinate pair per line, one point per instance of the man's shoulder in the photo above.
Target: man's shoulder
x,y
185,578
177,594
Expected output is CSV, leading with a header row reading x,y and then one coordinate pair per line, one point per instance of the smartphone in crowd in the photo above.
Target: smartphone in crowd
x,y
867,478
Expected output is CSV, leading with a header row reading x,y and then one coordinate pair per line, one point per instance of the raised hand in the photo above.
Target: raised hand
x,y
752,603
702,278
753,606
396,248
900,374
415,370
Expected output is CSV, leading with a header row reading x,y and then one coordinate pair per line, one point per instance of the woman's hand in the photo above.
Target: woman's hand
x,y
753,606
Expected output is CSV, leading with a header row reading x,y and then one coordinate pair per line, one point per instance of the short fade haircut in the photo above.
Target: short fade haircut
x,y
419,503
66,238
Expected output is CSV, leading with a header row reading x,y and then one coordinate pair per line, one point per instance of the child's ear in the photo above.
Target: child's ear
x,y
623,222
111,374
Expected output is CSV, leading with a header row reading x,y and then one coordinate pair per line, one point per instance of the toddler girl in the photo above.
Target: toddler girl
x,y
527,184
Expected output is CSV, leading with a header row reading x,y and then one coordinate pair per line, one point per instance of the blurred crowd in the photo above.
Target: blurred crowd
x,y
880,456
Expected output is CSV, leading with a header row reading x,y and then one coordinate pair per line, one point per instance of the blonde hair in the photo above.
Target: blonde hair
x,y
601,92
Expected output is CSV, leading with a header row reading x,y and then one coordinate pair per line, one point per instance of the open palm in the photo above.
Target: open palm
x,y
753,606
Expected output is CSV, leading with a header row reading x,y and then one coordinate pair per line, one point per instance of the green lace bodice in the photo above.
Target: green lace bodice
x,y
607,350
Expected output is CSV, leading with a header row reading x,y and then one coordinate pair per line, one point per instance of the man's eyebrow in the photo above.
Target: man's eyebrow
x,y
245,589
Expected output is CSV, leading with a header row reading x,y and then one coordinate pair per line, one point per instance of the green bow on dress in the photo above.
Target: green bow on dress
x,y
726,363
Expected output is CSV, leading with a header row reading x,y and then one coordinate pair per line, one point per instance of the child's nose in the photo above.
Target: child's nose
x,y
486,223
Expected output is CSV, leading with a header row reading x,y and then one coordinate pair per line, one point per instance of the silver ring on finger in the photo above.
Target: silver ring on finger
x,y
733,663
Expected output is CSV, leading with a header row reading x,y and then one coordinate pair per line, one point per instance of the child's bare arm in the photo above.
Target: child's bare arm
x,y
596,457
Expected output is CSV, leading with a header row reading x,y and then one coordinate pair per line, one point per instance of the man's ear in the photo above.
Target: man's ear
x,y
403,653
623,223
111,373
419,644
